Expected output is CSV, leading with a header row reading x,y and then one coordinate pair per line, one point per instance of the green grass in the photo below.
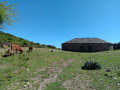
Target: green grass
x,y
17,71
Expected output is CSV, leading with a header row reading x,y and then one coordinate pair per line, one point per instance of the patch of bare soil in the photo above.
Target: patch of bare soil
x,y
53,74
3,66
80,82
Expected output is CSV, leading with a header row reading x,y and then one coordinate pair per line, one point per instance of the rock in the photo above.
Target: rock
x,y
27,69
107,70
51,50
114,78
28,83
111,76
25,86
105,75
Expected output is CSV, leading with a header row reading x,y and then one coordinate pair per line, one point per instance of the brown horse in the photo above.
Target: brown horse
x,y
30,49
4,46
15,48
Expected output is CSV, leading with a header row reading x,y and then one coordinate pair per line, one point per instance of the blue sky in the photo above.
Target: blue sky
x,y
53,22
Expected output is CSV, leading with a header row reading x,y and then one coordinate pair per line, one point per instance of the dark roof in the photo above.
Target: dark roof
x,y
87,40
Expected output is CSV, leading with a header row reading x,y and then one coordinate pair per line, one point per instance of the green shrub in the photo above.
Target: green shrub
x,y
91,65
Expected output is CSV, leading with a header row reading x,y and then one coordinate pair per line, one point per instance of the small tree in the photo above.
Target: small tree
x,y
116,45
7,14
26,43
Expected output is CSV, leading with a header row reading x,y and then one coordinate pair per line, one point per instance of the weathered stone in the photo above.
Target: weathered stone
x,y
87,45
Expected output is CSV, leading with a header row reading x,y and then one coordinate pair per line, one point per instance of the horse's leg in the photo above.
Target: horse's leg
x,y
9,53
17,51
14,52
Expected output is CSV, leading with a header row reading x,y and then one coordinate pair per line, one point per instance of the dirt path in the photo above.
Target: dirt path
x,y
80,82
53,74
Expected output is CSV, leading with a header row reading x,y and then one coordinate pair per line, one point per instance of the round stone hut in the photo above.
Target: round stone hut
x,y
87,45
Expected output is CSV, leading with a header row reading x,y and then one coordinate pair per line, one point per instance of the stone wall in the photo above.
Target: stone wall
x,y
87,47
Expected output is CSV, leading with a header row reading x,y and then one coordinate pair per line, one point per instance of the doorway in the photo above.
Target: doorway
x,y
81,49
89,48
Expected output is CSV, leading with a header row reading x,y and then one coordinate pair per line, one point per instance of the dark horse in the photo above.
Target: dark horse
x,y
30,48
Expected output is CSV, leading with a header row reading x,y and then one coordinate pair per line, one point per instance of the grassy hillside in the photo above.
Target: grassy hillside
x,y
8,39
59,70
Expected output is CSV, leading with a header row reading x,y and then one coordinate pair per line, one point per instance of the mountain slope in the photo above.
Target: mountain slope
x,y
8,39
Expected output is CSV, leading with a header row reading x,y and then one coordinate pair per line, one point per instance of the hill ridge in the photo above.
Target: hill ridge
x,y
8,39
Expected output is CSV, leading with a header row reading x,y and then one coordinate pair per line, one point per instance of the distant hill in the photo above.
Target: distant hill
x,y
8,39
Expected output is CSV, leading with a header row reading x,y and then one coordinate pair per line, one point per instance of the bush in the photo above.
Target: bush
x,y
50,46
91,65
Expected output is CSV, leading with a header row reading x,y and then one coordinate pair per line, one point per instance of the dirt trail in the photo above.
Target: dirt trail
x,y
53,74
80,82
